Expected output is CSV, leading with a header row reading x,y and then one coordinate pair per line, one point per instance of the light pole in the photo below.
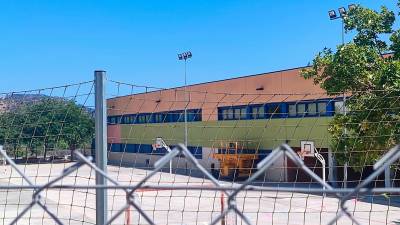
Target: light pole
x,y
333,16
342,15
185,56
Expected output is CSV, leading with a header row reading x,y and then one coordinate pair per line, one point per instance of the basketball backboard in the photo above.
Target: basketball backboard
x,y
307,148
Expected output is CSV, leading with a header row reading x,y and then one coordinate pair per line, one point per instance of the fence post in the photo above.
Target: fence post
x,y
100,145
387,177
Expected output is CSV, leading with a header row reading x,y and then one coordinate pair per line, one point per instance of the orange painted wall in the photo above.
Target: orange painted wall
x,y
281,86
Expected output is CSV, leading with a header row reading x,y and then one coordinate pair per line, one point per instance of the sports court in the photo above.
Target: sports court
x,y
77,206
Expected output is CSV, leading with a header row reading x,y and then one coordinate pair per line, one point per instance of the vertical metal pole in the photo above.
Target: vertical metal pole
x,y
222,200
331,168
345,147
101,145
342,31
185,112
387,177
324,174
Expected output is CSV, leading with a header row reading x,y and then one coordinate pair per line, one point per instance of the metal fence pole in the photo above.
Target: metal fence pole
x,y
101,145
387,177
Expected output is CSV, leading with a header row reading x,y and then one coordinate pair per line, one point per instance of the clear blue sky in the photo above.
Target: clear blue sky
x,y
47,43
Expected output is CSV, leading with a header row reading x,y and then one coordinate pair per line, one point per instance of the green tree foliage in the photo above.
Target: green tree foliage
x,y
47,124
367,71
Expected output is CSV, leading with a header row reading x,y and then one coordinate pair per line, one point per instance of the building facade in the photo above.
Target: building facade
x,y
260,111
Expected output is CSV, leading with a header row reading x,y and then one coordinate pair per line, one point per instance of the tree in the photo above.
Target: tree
x,y
366,71
11,126
47,124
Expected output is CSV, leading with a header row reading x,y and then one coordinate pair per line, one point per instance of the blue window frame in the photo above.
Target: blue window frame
x,y
233,113
159,117
193,115
319,108
276,110
257,111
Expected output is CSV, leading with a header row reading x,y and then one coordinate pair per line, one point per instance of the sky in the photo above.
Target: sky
x,y
49,43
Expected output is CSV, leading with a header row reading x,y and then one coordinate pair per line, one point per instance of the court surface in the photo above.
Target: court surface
x,y
173,206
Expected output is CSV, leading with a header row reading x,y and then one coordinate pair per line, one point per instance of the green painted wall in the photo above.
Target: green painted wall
x,y
262,134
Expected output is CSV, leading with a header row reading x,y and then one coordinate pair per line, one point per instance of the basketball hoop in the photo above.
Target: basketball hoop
x,y
307,149
156,146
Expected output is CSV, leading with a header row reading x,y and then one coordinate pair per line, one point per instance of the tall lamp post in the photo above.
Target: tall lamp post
x,y
333,16
185,56
342,14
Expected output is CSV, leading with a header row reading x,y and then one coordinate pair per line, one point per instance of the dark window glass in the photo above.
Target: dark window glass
x,y
312,109
301,109
230,114
243,113
273,110
237,114
257,112
292,110
322,108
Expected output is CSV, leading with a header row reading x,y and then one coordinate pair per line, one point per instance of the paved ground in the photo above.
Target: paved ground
x,y
172,206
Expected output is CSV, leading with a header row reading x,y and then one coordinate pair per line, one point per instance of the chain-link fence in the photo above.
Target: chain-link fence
x,y
250,158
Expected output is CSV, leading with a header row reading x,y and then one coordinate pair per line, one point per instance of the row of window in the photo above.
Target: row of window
x,y
159,117
326,107
319,108
148,149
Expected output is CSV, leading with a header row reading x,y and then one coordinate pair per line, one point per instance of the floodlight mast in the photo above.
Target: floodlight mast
x,y
333,16
185,56
342,15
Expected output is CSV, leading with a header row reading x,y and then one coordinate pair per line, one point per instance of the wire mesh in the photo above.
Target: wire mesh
x,y
241,165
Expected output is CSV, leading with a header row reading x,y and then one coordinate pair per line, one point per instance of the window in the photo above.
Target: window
x,y
301,109
322,108
257,112
173,116
129,119
237,113
292,110
141,119
194,115
230,114
159,118
312,109
339,107
224,114
243,113
144,118
273,110
181,116
240,113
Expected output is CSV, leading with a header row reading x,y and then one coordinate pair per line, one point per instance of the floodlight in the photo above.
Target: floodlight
x,y
352,6
342,11
185,55
332,14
